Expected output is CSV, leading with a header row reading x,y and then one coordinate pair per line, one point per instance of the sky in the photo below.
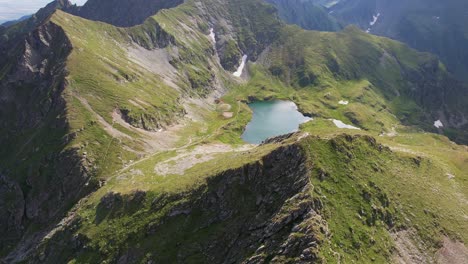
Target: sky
x,y
14,9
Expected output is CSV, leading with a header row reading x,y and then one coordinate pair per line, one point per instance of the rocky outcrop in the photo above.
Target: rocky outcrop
x,y
154,36
151,121
36,70
242,28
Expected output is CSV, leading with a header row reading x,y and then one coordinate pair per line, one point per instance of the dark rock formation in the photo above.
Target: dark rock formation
x,y
31,100
123,13
11,211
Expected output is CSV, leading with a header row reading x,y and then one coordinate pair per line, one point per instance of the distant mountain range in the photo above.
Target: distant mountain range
x,y
433,26
10,23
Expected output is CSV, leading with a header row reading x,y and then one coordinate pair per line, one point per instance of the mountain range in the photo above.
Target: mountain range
x,y
430,26
121,123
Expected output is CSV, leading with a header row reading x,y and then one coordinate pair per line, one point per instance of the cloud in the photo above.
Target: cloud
x,y
11,10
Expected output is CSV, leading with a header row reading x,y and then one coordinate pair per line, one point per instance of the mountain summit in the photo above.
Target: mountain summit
x,y
123,13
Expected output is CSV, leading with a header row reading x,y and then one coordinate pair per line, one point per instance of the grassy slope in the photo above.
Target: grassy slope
x,y
385,82
317,90
399,190
102,74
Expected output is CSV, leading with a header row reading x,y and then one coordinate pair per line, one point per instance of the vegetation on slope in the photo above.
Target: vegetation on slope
x,y
430,26
364,191
387,84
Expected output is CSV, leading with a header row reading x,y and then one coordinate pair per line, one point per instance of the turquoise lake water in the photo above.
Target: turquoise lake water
x,y
272,118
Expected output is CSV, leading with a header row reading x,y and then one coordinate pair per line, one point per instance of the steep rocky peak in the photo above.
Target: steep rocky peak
x,y
50,8
123,13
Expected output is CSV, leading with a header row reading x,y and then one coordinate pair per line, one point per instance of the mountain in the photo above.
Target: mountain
x,y
34,20
10,23
432,26
306,14
116,149
123,14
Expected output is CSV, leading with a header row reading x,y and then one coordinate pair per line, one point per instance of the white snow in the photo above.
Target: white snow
x,y
212,35
438,124
374,20
343,102
238,73
372,23
340,124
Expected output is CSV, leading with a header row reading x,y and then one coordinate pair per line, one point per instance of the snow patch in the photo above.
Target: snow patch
x,y
340,124
438,124
375,18
343,102
239,71
212,35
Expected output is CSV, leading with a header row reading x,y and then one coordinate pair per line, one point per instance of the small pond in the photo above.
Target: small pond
x,y
272,118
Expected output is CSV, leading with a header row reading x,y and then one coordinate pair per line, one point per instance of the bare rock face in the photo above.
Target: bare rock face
x,y
35,71
31,99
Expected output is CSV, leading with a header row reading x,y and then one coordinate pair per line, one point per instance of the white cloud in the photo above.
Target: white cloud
x,y
14,9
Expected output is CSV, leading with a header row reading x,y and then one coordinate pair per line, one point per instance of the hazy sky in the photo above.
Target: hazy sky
x,y
13,9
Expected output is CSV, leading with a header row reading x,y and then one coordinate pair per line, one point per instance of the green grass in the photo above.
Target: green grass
x,y
366,190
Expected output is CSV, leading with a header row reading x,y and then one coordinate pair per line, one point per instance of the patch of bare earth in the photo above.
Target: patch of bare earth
x,y
411,251
452,252
187,159
408,250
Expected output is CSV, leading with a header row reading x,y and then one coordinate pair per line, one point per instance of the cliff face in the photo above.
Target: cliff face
x,y
34,72
11,211
33,121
